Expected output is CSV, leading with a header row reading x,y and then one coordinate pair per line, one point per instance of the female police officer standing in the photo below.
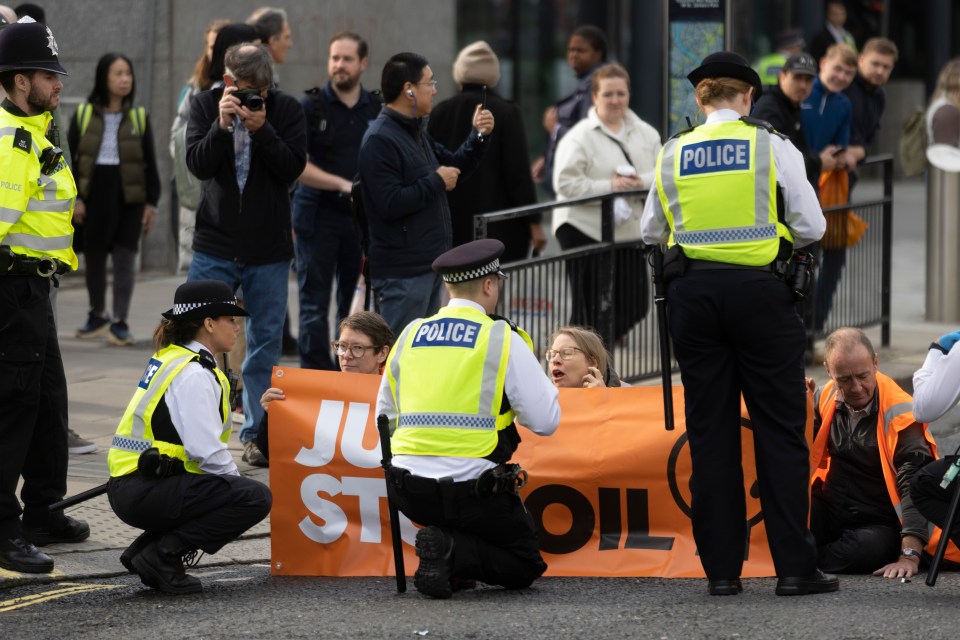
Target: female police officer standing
x,y
720,211
170,471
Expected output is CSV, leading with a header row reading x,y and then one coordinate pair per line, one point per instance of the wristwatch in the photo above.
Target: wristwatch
x,y
911,553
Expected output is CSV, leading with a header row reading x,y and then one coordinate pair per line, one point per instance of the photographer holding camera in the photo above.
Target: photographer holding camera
x,y
248,143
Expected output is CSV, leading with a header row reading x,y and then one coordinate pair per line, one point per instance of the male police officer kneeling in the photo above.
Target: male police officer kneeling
x,y
466,376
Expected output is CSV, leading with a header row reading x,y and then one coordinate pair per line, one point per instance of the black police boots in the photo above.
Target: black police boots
x,y
60,530
138,545
19,555
160,566
436,559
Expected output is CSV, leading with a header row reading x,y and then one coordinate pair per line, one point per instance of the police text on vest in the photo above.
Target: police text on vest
x,y
713,156
447,332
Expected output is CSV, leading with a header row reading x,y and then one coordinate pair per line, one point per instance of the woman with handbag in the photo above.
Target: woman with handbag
x,y
612,149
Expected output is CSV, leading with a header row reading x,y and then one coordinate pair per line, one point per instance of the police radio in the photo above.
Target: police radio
x,y
50,157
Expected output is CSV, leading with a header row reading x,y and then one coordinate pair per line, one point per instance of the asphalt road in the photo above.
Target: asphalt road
x,y
246,602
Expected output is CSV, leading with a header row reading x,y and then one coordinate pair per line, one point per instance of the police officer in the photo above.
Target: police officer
x,y
171,473
453,384
735,330
37,193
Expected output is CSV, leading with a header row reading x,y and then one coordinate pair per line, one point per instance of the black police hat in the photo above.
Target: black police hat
x,y
204,299
726,64
470,261
26,44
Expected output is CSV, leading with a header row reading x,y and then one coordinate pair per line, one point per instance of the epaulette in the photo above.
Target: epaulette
x,y
684,132
206,360
513,325
757,122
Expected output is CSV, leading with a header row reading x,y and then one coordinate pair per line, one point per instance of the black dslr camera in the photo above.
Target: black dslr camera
x,y
249,98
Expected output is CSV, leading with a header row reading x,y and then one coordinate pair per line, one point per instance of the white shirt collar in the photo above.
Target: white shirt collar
x,y
723,115
463,302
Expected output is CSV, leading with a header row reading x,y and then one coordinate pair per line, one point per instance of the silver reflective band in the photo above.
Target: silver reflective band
x,y
127,443
732,234
669,186
447,421
139,427
47,206
37,243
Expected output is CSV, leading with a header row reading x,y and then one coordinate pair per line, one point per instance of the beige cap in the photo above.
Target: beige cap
x,y
477,64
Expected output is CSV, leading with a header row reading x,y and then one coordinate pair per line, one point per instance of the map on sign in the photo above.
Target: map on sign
x,y
690,43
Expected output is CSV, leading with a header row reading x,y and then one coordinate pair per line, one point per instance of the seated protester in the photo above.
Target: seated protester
x,y
936,390
171,473
577,358
365,341
867,448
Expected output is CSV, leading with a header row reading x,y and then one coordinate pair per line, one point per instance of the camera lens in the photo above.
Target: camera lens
x,y
253,102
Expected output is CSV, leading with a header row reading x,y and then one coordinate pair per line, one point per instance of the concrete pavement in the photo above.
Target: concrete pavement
x,y
101,376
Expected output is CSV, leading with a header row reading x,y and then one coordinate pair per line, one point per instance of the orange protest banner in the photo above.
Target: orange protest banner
x,y
609,490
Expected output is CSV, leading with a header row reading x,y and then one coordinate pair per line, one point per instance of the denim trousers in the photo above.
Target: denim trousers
x,y
265,298
403,300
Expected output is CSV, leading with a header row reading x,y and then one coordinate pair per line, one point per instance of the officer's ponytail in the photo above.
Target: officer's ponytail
x,y
176,331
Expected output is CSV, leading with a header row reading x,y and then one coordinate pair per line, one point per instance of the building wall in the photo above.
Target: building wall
x,y
164,38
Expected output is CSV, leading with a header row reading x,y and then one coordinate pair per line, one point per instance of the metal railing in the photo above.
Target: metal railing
x,y
607,284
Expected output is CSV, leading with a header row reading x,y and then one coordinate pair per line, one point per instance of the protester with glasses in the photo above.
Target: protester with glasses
x,y
577,359
365,340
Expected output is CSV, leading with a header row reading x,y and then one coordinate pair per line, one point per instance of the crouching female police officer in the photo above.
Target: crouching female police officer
x,y
170,471
732,201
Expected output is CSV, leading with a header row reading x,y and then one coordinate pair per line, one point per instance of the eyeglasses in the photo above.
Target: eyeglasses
x,y
432,83
356,350
565,354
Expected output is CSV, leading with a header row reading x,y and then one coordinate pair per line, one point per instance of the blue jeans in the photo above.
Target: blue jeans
x,y
403,300
265,298
327,247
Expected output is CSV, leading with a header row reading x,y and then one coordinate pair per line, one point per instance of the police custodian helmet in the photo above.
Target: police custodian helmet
x,y
27,44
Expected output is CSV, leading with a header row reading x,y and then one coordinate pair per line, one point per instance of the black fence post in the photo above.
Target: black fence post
x,y
887,250
606,271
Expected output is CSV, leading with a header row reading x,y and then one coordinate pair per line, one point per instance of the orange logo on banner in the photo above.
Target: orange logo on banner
x,y
609,490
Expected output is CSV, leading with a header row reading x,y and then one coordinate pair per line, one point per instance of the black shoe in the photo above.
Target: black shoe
x,y
68,530
462,584
436,555
21,556
160,566
96,325
725,587
819,582
138,545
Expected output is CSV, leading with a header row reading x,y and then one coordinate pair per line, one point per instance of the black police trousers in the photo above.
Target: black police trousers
x,y
205,511
495,539
931,500
737,331
33,405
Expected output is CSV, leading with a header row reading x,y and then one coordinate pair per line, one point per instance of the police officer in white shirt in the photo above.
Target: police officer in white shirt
x,y
453,385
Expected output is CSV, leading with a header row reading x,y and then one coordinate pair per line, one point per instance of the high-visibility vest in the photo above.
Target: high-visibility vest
x,y
769,67
446,376
895,414
35,209
133,127
718,187
134,434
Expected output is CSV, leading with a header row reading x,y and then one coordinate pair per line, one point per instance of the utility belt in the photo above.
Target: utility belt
x,y
501,480
14,264
796,273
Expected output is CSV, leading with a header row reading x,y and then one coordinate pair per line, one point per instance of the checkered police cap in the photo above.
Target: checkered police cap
x,y
470,261
204,299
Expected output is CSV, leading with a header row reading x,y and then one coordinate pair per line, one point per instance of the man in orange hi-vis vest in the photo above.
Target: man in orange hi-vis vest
x,y
867,448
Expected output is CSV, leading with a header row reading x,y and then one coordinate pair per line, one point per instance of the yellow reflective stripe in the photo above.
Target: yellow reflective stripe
x,y
38,243
84,111
491,367
169,369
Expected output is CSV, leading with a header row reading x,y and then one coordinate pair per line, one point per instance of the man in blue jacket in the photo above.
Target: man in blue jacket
x,y
404,176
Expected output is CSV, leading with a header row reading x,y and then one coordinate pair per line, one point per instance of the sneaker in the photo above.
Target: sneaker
x,y
68,530
252,454
120,334
237,415
436,557
77,445
96,325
